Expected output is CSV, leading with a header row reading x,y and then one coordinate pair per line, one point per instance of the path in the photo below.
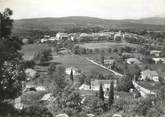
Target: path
x,y
92,61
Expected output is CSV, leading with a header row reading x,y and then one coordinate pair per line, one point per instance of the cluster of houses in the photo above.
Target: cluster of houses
x,y
116,36
157,56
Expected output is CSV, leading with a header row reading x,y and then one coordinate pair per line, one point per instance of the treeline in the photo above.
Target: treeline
x,y
81,50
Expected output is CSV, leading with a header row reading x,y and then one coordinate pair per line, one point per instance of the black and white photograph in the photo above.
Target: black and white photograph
x,y
82,58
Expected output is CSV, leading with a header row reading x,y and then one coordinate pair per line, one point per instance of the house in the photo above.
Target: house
x,y
62,115
149,75
95,84
75,71
73,36
127,55
133,61
46,36
30,73
90,115
155,52
48,97
117,115
34,88
62,36
118,36
85,37
52,39
108,61
158,60
84,87
43,40
25,41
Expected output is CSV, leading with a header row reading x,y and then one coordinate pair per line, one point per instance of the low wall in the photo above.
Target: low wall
x,y
143,91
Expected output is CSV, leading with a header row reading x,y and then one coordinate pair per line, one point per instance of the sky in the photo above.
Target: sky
x,y
106,9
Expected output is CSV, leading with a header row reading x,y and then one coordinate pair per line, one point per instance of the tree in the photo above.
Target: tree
x,y
58,79
29,64
143,106
109,50
11,69
161,94
101,93
76,49
6,23
36,111
43,56
102,58
52,68
111,95
124,84
71,75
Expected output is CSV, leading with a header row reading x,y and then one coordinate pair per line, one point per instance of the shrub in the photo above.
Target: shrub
x,y
43,56
36,111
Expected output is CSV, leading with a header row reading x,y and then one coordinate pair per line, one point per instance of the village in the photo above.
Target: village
x,y
81,58
112,58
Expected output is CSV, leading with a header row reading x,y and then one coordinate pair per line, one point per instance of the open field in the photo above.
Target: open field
x,y
106,45
79,62
30,49
67,60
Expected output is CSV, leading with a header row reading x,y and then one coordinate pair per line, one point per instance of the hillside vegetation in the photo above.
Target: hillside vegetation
x,y
60,24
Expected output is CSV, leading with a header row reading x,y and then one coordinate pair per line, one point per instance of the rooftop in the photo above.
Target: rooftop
x,y
150,72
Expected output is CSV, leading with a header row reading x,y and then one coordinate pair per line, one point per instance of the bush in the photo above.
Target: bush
x,y
29,64
43,56
7,109
36,111
124,84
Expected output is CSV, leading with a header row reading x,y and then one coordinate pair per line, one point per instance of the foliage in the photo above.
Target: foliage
x,y
7,109
58,79
80,50
102,58
76,50
93,105
143,106
29,64
111,95
36,111
43,56
124,84
82,78
101,93
11,68
71,75
6,23
52,68
161,94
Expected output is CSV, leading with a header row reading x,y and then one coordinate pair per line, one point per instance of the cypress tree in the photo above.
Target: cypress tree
x,y
101,93
111,94
71,75
102,58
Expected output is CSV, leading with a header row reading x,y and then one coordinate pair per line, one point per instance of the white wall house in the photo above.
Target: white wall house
x,y
155,53
95,84
60,36
149,75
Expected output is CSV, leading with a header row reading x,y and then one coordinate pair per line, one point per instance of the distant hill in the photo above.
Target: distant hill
x,y
152,20
56,24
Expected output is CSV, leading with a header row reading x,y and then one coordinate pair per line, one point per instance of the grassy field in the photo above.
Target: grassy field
x,y
79,62
67,60
105,45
